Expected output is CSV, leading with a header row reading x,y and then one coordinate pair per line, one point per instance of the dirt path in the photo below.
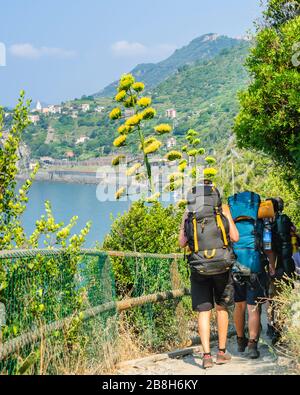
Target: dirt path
x,y
190,362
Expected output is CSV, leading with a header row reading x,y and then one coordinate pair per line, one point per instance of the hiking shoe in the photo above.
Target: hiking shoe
x,y
242,344
252,348
208,362
223,358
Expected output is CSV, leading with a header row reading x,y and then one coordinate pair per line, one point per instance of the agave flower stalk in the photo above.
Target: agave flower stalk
x,y
128,96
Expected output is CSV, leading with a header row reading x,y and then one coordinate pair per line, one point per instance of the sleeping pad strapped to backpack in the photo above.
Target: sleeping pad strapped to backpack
x,y
282,230
248,250
207,231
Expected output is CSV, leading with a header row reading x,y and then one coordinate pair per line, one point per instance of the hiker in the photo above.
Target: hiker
x,y
208,230
250,278
285,247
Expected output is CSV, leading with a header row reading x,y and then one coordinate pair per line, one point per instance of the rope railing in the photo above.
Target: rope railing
x,y
31,337
30,253
155,279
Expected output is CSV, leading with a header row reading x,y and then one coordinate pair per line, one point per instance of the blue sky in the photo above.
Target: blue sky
x,y
63,49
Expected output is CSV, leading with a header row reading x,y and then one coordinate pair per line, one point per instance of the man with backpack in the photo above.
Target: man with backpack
x,y
250,279
208,230
284,246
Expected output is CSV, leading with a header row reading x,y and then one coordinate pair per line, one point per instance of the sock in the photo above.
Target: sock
x,y
207,354
253,341
222,350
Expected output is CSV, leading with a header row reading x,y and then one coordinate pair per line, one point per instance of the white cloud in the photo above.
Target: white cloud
x,y
29,51
126,49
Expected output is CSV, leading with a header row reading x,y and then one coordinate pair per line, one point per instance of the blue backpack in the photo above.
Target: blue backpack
x,y
244,210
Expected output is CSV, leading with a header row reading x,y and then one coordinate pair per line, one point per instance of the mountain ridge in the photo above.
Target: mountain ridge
x,y
204,47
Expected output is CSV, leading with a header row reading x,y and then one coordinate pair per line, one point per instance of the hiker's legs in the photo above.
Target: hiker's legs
x,y
223,322
203,303
204,330
254,313
240,318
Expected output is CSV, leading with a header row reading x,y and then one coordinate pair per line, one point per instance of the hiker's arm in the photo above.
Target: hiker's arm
x,y
233,231
182,237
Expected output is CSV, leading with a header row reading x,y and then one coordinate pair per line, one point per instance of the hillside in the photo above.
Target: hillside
x,y
203,94
202,48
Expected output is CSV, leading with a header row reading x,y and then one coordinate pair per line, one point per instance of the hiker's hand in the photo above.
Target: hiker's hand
x,y
226,210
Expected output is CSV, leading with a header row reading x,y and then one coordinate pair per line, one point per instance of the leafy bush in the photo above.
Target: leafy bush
x,y
152,229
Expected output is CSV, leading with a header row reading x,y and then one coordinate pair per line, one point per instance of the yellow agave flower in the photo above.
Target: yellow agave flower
x,y
120,193
138,86
182,203
173,155
144,102
163,128
192,152
126,82
123,129
173,186
182,166
133,121
148,141
116,161
130,172
120,96
210,172
196,142
175,176
141,177
210,160
148,113
192,133
154,198
119,141
201,151
116,113
153,147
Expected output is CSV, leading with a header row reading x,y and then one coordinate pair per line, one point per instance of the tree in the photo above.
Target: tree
x,y
269,119
279,12
13,202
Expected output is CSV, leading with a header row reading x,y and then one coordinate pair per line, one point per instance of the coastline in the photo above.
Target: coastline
x,y
91,178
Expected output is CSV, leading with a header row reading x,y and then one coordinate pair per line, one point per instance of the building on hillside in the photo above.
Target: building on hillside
x,y
70,155
38,106
46,111
82,140
171,142
55,109
74,114
85,107
34,118
171,113
99,109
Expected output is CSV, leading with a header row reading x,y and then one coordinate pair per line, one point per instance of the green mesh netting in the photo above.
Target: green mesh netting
x,y
45,289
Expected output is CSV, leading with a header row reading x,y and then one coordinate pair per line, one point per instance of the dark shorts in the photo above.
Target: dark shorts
x,y
210,290
252,292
